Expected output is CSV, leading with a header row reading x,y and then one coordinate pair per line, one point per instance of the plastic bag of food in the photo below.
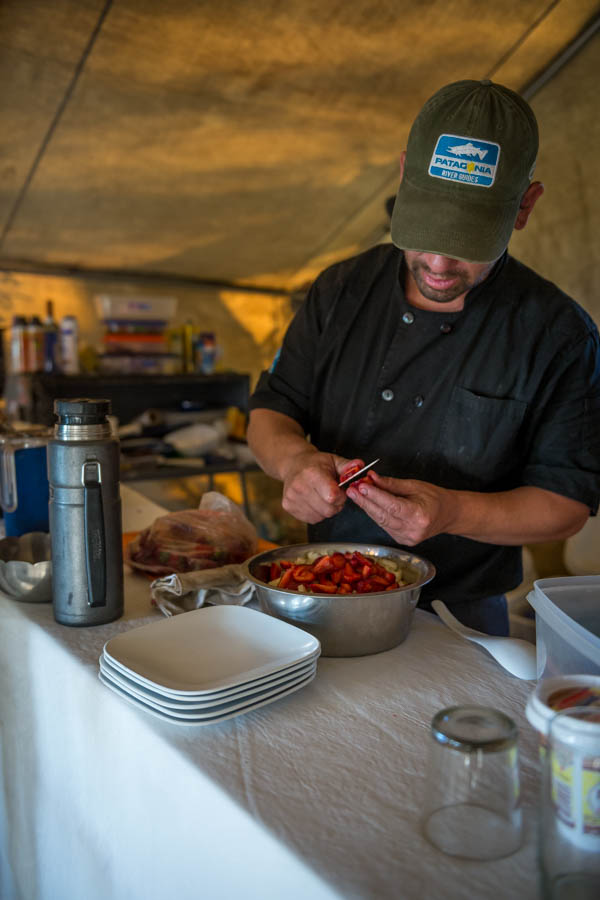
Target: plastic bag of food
x,y
215,534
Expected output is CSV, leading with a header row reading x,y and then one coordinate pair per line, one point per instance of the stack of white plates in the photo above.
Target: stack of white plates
x,y
209,665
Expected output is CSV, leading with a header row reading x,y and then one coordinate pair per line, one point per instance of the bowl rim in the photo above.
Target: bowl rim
x,y
341,546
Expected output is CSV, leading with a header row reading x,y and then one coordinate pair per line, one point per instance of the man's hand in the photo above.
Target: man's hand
x,y
410,511
310,485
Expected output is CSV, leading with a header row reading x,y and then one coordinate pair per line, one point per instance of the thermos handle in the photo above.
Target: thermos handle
x,y
95,543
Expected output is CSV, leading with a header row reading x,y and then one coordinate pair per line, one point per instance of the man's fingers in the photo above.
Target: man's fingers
x,y
313,498
305,509
397,486
377,503
323,491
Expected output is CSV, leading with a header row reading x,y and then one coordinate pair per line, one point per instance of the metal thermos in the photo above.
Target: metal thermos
x,y
85,515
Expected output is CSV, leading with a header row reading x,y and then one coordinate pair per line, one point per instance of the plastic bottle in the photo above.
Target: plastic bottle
x,y
206,353
34,350
50,339
187,335
68,345
18,346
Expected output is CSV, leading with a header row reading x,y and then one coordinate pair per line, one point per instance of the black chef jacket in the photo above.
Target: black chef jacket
x,y
504,393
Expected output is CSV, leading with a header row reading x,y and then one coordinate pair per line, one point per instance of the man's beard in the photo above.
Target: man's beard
x,y
460,287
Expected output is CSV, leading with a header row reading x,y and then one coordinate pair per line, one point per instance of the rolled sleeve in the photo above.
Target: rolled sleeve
x,y
287,388
271,394
565,456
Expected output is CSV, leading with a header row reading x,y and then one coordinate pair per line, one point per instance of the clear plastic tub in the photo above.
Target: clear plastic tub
x,y
567,620
132,307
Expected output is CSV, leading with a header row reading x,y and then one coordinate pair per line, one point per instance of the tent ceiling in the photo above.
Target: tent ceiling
x,y
246,142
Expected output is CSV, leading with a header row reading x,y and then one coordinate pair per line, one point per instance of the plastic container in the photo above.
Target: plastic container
x,y
554,694
131,307
567,620
205,352
17,358
68,345
34,361
50,340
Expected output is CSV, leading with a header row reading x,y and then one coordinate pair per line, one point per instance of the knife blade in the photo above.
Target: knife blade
x,y
356,475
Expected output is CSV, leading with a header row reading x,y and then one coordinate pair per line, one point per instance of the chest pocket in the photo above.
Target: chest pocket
x,y
480,437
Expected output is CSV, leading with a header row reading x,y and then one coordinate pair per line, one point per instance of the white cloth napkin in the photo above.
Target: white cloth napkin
x,y
182,592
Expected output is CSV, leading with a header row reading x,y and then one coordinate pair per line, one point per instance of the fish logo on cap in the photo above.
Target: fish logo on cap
x,y
468,150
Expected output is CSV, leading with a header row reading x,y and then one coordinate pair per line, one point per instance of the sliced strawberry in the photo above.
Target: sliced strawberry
x,y
350,574
303,574
323,588
379,582
286,579
323,564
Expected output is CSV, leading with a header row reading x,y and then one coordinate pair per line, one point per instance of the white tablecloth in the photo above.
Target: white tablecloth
x,y
315,796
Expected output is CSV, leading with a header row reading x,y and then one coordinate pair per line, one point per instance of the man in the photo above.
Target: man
x,y
475,381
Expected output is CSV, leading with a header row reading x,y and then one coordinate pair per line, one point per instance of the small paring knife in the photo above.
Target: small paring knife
x,y
356,475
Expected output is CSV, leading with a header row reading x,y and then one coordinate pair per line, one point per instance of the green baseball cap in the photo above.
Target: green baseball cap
x,y
470,158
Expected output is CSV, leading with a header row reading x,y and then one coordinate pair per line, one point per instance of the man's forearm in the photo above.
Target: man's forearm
x,y
414,511
310,477
275,439
525,515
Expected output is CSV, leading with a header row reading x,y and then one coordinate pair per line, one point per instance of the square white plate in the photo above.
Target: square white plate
x,y
217,709
218,717
196,696
210,649
207,701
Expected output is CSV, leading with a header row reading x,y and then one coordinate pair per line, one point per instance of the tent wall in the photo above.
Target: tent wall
x,y
560,241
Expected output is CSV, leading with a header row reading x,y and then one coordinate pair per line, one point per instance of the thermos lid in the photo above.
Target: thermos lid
x,y
82,411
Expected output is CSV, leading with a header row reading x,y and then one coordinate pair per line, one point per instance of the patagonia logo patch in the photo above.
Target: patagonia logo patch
x,y
465,159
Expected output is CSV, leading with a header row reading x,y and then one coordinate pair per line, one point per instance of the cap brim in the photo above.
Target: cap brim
x,y
451,225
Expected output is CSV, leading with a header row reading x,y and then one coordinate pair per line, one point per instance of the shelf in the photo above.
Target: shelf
x,y
131,395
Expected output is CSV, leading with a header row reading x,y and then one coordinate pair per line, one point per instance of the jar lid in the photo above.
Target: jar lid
x,y
82,411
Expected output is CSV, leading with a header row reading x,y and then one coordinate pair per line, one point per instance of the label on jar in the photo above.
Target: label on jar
x,y
562,787
514,769
590,784
576,795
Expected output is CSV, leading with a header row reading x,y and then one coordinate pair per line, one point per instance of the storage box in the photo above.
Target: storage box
x,y
127,308
567,619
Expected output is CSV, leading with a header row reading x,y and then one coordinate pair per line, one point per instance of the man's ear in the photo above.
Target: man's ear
x,y
530,197
402,158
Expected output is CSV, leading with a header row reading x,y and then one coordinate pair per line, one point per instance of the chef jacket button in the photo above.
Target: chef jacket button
x,y
387,394
445,328
418,400
408,317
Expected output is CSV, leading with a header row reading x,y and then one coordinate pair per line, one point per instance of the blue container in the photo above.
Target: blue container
x,y
24,485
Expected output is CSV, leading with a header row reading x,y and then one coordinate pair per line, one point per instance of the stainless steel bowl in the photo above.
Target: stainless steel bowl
x,y
345,624
25,567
